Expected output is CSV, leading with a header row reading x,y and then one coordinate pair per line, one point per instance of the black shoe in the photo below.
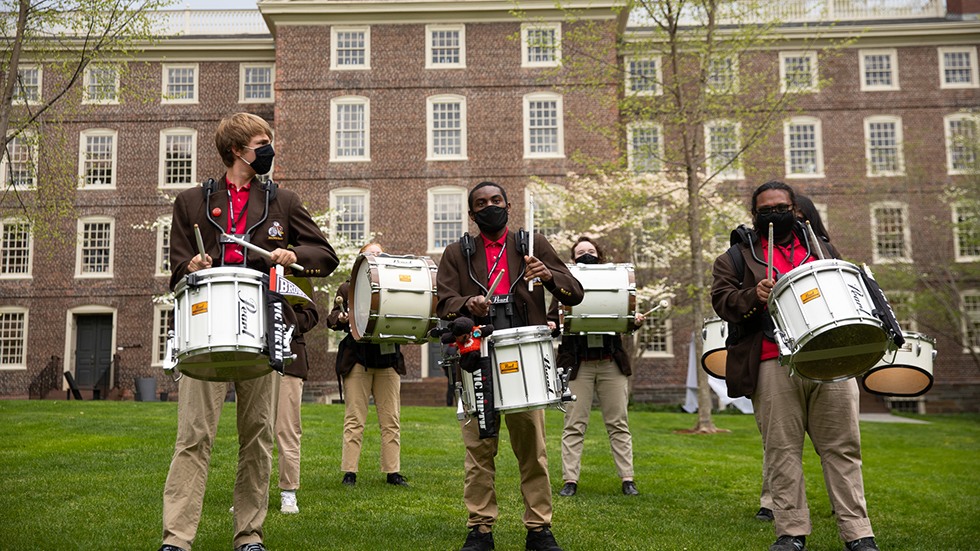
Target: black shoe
x,y
396,479
629,488
568,489
789,543
349,479
765,514
250,547
478,541
863,544
171,548
541,540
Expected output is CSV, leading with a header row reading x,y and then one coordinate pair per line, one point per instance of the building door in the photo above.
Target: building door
x,y
93,349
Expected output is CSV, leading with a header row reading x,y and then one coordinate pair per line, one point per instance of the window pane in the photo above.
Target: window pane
x,y
967,232
163,326
646,149
971,311
723,145
96,247
963,145
164,267
957,68
643,75
799,74
543,126
445,47
802,148
351,217
98,160
179,162
28,85
541,45
878,70
447,218
180,83
883,139
721,74
15,248
351,48
12,337
258,83
101,84
20,169
890,232
350,130
447,129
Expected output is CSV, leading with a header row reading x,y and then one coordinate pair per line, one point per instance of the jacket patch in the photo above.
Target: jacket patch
x,y
276,232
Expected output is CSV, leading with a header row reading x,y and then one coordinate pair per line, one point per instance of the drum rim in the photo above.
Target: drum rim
x,y
828,264
878,368
214,275
919,336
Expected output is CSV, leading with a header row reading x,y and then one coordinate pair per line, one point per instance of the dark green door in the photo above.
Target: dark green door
x,y
93,348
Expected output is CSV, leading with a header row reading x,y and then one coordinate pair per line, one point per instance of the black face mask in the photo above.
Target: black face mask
x,y
782,224
491,219
263,159
587,259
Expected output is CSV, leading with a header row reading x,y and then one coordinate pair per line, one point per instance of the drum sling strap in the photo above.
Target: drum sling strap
x,y
279,334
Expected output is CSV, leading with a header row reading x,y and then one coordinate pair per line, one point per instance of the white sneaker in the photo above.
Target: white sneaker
x,y
288,503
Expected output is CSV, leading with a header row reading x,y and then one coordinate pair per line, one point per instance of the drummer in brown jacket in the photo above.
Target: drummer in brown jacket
x,y
787,408
464,279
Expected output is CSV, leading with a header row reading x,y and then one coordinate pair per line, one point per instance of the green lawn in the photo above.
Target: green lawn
x,y
89,475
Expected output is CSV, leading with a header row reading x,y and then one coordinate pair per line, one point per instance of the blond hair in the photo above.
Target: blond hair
x,y
237,131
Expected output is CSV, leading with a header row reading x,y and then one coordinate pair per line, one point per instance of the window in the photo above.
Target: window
x,y
101,85
256,83
966,232
890,232
94,254
15,248
447,128
18,166
97,159
350,48
798,71
178,159
879,70
883,139
161,328
353,214
723,148
447,216
961,144
971,319
540,44
803,143
644,148
655,336
163,226
958,67
13,338
351,129
543,126
445,46
180,83
28,88
723,75
547,214
643,76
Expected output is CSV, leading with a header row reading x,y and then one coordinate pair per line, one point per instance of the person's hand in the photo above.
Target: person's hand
x,y
638,319
478,306
343,317
536,269
283,257
764,289
198,263
552,325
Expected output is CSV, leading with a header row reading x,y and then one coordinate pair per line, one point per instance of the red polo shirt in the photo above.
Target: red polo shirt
x,y
237,214
497,262
784,259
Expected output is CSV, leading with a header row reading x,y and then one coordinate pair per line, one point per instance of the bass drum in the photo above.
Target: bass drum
x,y
392,298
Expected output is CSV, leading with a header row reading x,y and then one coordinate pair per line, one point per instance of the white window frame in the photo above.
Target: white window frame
x,y
784,57
242,69
108,274
734,88
947,130
29,274
366,29
29,140
560,107
159,329
87,81
20,100
818,153
430,103
899,146
162,175
631,146
669,339
974,77
431,194
82,145
906,233
164,99
525,46
461,29
658,89
965,319
957,251
890,52
164,228
734,170
22,365
334,120
350,192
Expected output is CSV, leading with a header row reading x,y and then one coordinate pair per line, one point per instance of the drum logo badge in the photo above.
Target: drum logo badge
x,y
406,278
809,295
276,232
246,309
199,308
509,367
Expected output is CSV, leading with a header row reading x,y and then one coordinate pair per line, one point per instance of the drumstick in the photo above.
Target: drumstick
x,y
339,301
257,249
493,286
530,233
769,260
663,304
816,242
200,242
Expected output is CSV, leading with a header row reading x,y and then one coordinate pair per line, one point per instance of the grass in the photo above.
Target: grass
x,y
83,475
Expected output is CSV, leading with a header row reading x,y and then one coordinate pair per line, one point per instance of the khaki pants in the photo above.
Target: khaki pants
x,y
605,379
526,431
289,431
787,408
198,411
359,385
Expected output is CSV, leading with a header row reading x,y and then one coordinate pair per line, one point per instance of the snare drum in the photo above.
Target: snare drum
x,y
220,324
908,373
392,298
825,327
525,376
714,354
609,305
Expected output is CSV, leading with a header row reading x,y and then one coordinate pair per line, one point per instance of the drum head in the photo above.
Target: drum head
x,y
897,380
361,301
835,355
240,365
713,363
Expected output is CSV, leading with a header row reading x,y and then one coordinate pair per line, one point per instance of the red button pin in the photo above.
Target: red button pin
x,y
216,212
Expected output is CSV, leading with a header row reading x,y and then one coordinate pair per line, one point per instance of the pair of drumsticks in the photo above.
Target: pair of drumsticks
x,y
242,242
813,235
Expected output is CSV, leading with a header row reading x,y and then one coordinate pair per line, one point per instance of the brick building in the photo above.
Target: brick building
x,y
390,111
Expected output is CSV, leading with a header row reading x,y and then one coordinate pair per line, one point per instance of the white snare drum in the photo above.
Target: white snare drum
x,y
714,354
220,325
908,373
392,298
825,327
609,305
525,376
